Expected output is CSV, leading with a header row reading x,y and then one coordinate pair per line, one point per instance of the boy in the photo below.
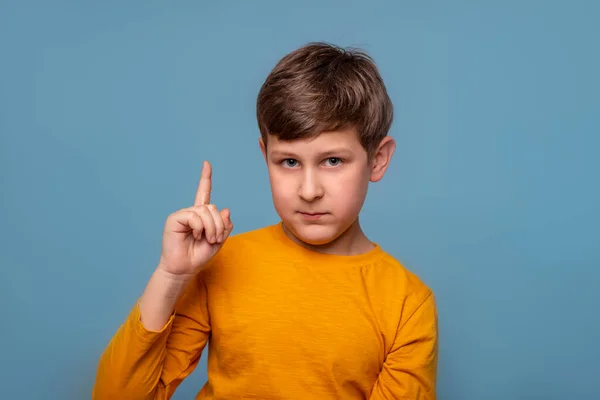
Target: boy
x,y
308,308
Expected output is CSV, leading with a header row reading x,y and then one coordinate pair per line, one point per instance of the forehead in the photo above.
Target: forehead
x,y
340,139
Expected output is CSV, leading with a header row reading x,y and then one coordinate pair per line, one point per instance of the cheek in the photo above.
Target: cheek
x,y
349,190
281,187
351,183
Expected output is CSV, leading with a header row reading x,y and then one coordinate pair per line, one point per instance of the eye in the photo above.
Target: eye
x,y
334,161
290,163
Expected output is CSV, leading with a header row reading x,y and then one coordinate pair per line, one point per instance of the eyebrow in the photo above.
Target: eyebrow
x,y
323,154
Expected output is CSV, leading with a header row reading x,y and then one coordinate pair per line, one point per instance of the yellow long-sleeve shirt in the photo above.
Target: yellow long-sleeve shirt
x,y
284,322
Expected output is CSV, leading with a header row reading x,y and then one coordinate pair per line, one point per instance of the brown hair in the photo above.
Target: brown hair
x,y
321,87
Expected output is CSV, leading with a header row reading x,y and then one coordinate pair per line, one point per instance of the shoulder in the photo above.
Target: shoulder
x,y
261,234
404,277
244,247
402,286
252,240
407,296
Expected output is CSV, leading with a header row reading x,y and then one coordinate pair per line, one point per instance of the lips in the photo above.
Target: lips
x,y
311,213
311,216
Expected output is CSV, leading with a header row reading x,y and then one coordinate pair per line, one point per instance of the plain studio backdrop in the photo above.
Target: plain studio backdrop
x,y
107,111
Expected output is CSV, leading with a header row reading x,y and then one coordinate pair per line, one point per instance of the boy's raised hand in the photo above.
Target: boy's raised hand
x,y
192,236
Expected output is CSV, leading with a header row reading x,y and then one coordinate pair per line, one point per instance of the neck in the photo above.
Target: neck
x,y
352,241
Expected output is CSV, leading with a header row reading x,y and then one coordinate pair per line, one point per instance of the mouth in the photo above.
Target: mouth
x,y
311,216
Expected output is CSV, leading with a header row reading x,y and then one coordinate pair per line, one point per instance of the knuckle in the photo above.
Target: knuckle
x,y
176,215
197,217
178,212
202,209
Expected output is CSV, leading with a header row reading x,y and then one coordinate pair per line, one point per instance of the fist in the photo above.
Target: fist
x,y
193,236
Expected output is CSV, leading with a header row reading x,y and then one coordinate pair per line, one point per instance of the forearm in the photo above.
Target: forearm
x,y
132,366
158,300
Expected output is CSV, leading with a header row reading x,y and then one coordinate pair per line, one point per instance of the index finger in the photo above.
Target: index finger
x,y
205,185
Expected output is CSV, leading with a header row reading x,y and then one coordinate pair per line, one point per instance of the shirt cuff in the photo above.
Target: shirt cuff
x,y
145,334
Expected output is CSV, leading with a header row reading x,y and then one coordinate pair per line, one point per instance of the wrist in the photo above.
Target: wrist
x,y
162,292
165,273
171,285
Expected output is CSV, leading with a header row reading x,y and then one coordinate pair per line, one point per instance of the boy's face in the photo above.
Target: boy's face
x,y
319,185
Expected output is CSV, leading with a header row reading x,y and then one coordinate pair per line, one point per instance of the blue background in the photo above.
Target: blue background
x,y
107,110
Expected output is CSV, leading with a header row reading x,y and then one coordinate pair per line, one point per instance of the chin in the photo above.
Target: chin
x,y
314,234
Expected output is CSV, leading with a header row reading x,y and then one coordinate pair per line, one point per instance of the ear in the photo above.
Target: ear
x,y
382,157
263,148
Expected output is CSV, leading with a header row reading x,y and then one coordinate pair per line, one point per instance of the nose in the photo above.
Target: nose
x,y
310,188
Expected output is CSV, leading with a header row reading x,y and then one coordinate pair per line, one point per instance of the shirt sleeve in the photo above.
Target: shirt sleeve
x,y
409,370
139,364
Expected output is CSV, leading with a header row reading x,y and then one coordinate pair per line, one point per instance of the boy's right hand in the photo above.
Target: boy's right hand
x,y
194,235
